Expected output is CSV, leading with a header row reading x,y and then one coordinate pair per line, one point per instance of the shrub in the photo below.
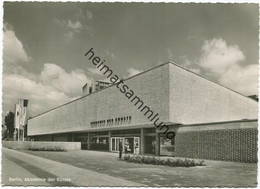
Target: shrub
x,y
157,161
47,148
126,157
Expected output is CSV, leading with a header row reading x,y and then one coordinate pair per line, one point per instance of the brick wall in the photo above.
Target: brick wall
x,y
224,144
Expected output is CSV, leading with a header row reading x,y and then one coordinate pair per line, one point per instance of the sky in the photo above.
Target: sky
x,y
45,42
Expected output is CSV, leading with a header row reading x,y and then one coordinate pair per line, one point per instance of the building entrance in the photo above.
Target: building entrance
x,y
150,143
99,143
130,144
115,143
167,146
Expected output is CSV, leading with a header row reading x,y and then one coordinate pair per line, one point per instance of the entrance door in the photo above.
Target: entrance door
x,y
167,147
130,144
136,145
150,144
115,143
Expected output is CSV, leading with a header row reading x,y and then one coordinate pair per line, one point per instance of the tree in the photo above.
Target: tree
x,y
9,122
4,132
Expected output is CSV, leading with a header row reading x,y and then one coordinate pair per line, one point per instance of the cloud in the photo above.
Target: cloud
x,y
13,50
82,14
54,86
77,23
217,56
14,54
68,82
71,28
241,79
41,97
70,25
133,71
95,71
76,26
224,61
188,64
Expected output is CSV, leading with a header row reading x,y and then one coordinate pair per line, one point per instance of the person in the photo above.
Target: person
x,y
127,147
120,149
153,146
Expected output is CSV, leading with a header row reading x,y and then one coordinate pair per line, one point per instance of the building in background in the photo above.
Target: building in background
x,y
20,119
92,86
209,121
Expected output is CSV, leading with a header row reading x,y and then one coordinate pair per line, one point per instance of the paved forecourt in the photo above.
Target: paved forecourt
x,y
214,174
59,174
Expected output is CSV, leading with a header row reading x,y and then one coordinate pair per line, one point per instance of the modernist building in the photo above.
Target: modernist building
x,y
209,121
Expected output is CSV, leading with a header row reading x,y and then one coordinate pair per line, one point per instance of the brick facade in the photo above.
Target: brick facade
x,y
219,144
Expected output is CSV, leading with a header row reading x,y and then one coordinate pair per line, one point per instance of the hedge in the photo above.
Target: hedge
x,y
158,161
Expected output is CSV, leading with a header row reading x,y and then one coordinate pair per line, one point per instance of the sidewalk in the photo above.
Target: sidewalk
x,y
74,176
17,177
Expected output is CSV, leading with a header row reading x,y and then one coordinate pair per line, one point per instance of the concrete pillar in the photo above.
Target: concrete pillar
x,y
88,141
157,144
109,140
142,145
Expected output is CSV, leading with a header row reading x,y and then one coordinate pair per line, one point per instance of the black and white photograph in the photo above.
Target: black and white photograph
x,y
129,94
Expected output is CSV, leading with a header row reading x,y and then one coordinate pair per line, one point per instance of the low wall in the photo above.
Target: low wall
x,y
38,145
228,142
